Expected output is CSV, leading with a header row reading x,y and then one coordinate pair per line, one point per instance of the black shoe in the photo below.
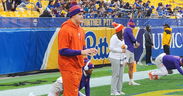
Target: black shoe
x,y
150,64
170,71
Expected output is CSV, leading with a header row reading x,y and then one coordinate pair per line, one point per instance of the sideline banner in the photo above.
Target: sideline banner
x,y
31,49
31,44
96,37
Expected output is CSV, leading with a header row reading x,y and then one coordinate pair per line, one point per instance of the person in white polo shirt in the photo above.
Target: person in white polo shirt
x,y
117,58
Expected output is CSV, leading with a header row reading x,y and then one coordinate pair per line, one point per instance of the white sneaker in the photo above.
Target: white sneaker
x,y
31,94
116,93
133,83
121,93
139,63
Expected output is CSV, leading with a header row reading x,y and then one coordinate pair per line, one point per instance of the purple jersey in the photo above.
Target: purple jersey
x,y
129,39
172,62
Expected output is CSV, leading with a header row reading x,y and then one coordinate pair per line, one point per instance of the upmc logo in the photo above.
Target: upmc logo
x,y
99,43
176,41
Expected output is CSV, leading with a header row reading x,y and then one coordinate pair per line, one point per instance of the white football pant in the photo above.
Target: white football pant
x,y
161,71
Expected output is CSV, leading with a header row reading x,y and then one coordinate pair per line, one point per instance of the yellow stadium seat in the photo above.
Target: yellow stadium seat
x,y
30,6
17,14
64,12
44,4
172,17
11,14
1,7
3,14
35,14
97,6
33,1
27,13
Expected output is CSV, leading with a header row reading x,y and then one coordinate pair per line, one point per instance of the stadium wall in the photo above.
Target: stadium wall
x,y
30,44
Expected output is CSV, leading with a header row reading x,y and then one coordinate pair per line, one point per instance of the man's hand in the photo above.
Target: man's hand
x,y
137,44
94,51
124,47
91,51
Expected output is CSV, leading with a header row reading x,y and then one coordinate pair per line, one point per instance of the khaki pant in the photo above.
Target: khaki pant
x,y
130,56
117,75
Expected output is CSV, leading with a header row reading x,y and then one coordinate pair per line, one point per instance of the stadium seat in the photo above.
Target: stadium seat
x,y
44,4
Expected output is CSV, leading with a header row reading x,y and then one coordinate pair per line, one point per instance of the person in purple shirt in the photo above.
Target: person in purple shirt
x,y
131,42
39,6
164,63
85,80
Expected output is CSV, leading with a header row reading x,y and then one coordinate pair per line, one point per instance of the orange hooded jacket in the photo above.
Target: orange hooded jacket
x,y
73,37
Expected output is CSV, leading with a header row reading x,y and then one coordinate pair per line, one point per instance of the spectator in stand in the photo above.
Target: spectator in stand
x,y
94,14
7,5
149,11
147,4
51,8
109,12
181,10
178,12
161,10
169,10
127,6
15,3
26,5
45,14
39,6
57,3
131,42
138,8
63,13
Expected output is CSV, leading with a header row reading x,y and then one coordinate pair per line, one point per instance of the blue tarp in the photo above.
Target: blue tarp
x,y
23,50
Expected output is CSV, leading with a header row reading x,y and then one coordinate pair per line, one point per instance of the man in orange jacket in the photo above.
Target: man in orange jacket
x,y
71,44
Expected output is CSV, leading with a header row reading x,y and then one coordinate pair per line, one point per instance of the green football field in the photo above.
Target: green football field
x,y
48,78
171,85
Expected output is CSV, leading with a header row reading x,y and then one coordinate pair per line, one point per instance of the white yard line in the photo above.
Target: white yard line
x,y
95,82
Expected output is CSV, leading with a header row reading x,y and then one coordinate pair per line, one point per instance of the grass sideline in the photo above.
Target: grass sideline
x,y
146,86
51,77
153,87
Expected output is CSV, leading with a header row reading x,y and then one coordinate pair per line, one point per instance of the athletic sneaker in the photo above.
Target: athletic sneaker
x,y
139,63
170,71
155,77
150,76
133,83
121,93
150,64
115,93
